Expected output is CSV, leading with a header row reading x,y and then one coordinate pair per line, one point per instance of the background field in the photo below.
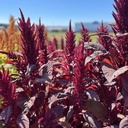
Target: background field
x,y
58,35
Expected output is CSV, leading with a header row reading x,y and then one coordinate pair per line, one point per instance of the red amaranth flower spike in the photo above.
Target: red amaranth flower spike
x,y
29,49
50,47
121,29
79,69
85,34
7,88
103,39
41,42
70,44
55,42
62,43
121,17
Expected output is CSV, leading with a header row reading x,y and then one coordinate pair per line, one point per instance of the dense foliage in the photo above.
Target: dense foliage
x,y
71,85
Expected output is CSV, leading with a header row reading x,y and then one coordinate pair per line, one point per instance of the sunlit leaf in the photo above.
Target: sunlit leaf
x,y
22,121
107,70
90,121
124,123
70,113
119,72
93,56
95,46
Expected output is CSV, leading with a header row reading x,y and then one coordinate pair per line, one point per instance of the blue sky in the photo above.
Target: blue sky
x,y
58,12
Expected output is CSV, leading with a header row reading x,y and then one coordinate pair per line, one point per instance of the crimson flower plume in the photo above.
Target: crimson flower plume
x,y
29,49
70,44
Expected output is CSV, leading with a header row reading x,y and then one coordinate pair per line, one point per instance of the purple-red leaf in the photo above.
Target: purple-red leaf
x,y
28,104
70,113
25,104
30,68
118,72
124,123
90,121
94,55
112,126
107,70
22,121
92,95
53,101
98,109
5,114
59,110
95,46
